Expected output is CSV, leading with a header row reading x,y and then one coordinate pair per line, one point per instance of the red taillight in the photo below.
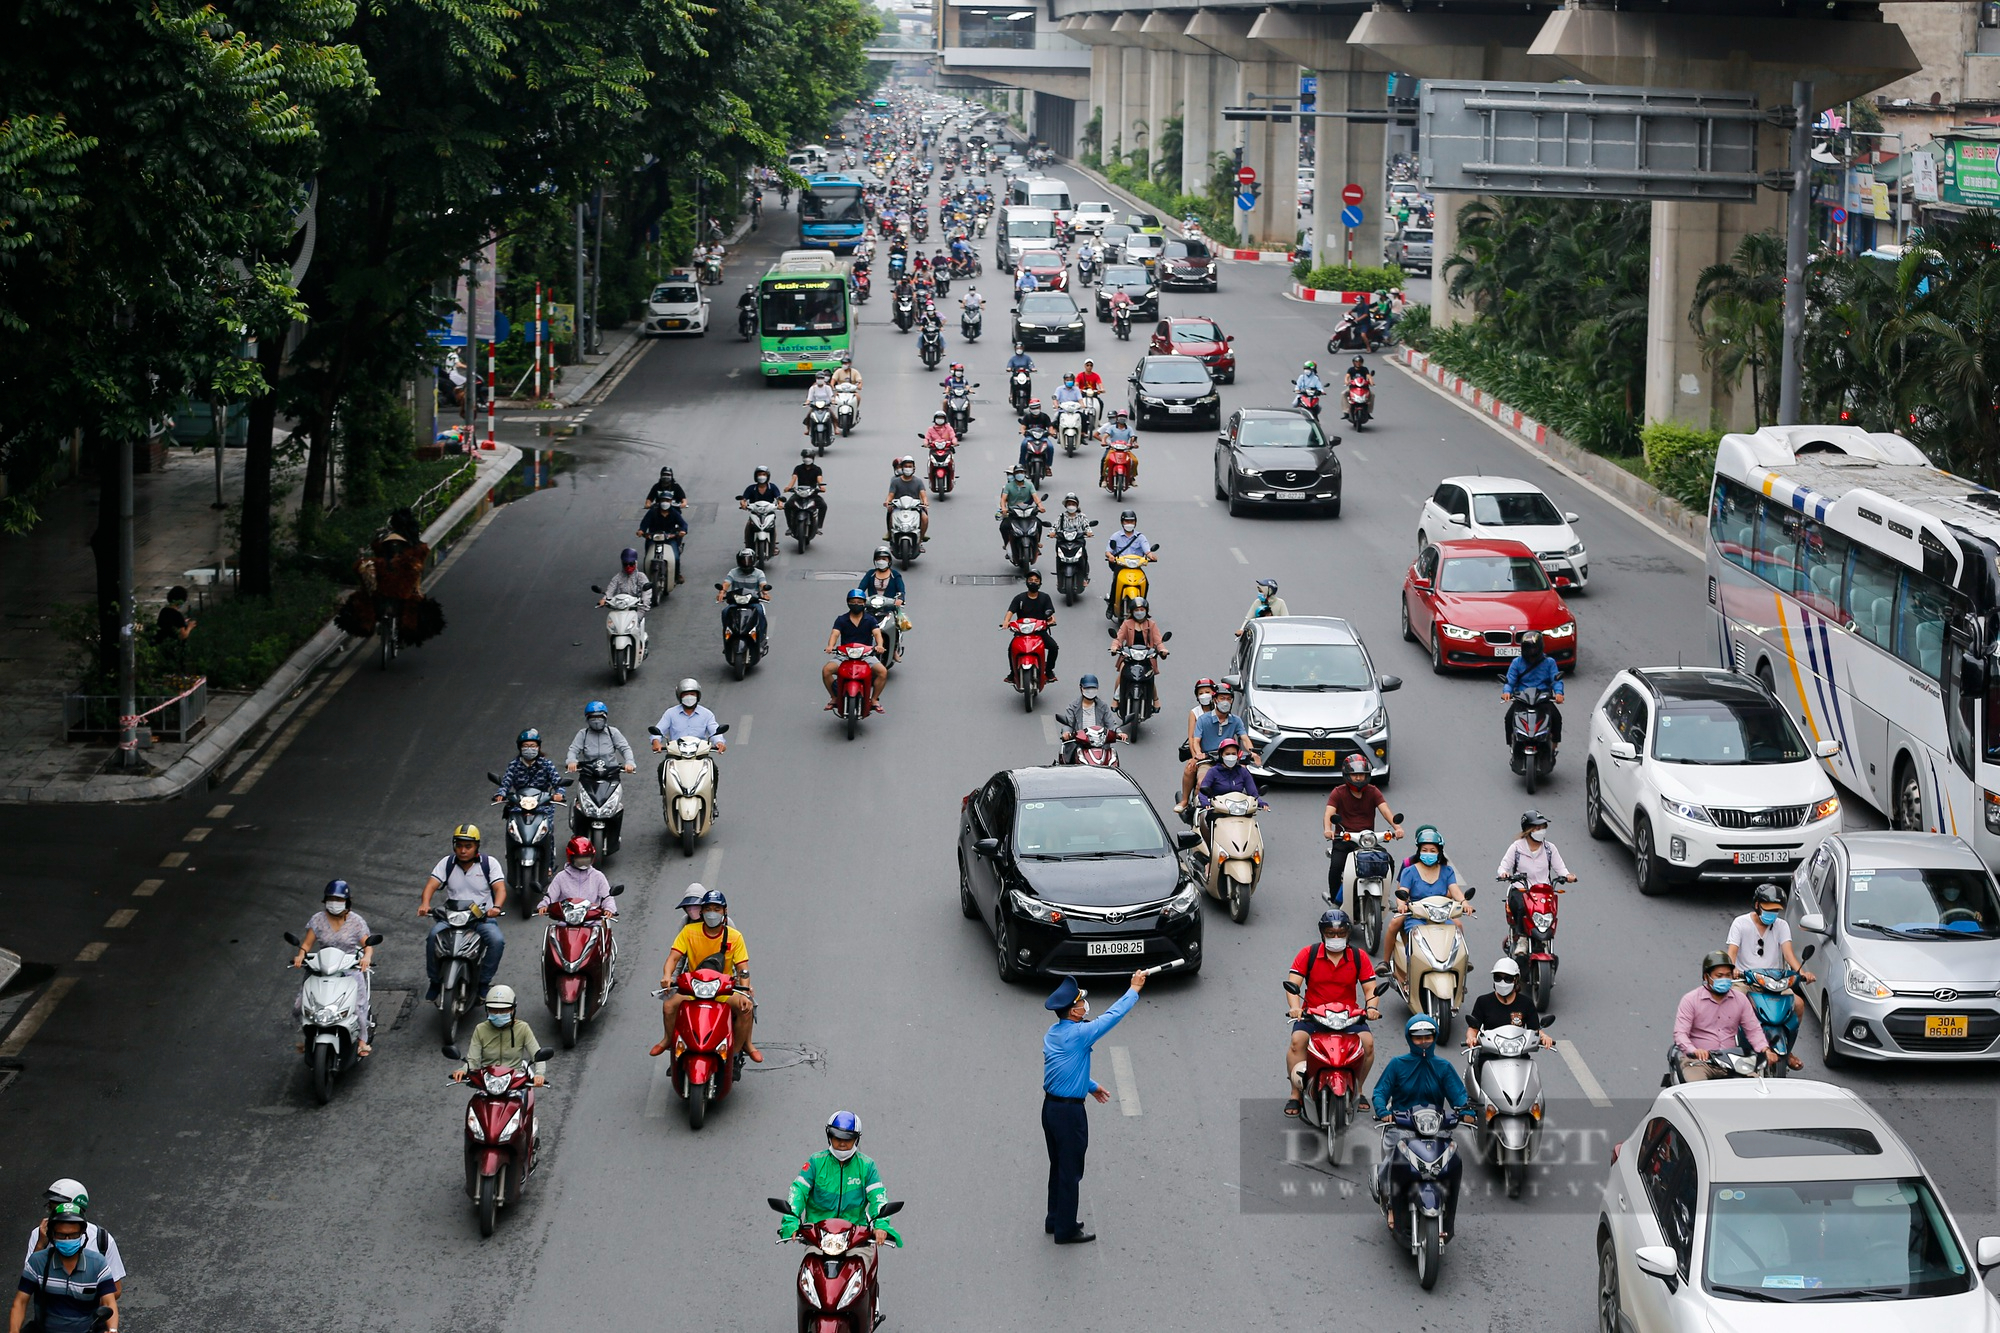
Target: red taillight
x,y
1616,1148
965,801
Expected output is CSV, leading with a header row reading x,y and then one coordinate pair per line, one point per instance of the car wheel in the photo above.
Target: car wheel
x,y
1221,491
1609,1310
1593,805
1830,1055
1648,870
1333,506
1409,635
1437,653
1004,946
1236,506
966,903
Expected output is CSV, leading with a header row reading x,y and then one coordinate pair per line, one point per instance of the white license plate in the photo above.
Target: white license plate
x,y
1179,411
1507,650
1775,856
1108,948
1287,495
1052,337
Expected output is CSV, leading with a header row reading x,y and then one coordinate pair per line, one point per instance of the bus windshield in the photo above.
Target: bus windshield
x,y
809,306
831,203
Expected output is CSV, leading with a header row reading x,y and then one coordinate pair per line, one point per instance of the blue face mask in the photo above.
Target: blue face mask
x,y
69,1248
499,1020
1721,985
1768,918
1428,858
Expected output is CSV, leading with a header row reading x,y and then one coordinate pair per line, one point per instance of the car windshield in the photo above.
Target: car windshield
x,y
1514,509
1186,250
1831,1240
1727,731
1196,331
1415,237
1088,826
1042,259
1311,667
1116,231
832,203
1052,306
1931,902
804,305
1492,573
676,295
1141,241
1126,278
1279,433
1033,229
1174,372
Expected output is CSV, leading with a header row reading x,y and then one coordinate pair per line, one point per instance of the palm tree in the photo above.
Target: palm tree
x,y
1167,153
1738,314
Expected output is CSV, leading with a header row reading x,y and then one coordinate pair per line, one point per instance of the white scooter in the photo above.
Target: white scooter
x,y
330,1005
1232,846
846,407
1430,961
760,530
625,626
1069,427
663,566
1506,1093
1364,894
687,787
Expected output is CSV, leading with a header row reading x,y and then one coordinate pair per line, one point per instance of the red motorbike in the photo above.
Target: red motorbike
x,y
1029,652
704,1067
944,468
1330,1079
852,684
1094,748
579,956
499,1137
1117,469
839,1278
1532,920
1308,401
861,285
1360,403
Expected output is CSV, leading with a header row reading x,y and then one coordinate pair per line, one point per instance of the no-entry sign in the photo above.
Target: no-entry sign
x,y
1350,193
1246,176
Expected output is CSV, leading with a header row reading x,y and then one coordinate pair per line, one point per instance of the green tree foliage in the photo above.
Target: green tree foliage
x,y
1739,316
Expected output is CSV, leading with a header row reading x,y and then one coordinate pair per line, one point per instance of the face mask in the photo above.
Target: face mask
x,y
1138,615
1768,918
1205,699
1131,527
529,752
840,1154
1229,761
499,1020
711,919
1503,988
1086,1010
1428,858
1223,705
336,907
690,700
1089,695
69,1247
598,724
909,472
1334,943
1720,985
582,862
1537,834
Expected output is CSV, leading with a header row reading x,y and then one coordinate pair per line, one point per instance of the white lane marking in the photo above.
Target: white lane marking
x,y
1584,1078
92,951
1051,729
121,918
711,866
1356,454
1127,1081
1202,503
657,1090
197,835
172,860
741,731
147,888
1241,558
220,812
31,1022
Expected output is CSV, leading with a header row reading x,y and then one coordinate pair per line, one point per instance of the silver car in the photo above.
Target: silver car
x,y
1308,691
1908,928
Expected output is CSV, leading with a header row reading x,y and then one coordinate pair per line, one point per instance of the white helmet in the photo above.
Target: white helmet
x,y
500,997
1506,967
688,685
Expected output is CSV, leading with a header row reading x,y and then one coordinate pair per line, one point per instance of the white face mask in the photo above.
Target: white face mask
x,y
1229,761
336,907
1205,699
881,564
1131,527
1334,944
690,700
711,919
1503,988
1537,834
840,1154
909,471
1223,705
1089,695
530,752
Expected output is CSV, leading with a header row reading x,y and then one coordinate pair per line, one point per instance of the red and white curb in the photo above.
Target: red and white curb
x,y
1315,295
1512,419
1260,256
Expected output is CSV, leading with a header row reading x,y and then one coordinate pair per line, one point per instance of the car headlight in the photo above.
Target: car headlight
x,y
1686,810
773,358
1182,903
1033,908
1561,631
1575,550
1825,809
1454,632
1863,984
1259,722
1213,397
1377,723
1150,400
1242,471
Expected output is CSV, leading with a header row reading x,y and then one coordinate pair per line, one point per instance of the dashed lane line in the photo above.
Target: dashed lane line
x,y
1241,558
31,1022
172,860
197,835
147,888
121,918
92,951
1581,1071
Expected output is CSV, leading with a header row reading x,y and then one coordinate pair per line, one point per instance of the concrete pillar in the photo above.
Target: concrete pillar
x,y
1272,150
1100,58
1444,243
1684,241
1349,151
1163,101
1201,114
1132,104
1114,95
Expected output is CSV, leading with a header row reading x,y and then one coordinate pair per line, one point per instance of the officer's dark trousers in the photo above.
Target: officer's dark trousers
x,y
1068,1133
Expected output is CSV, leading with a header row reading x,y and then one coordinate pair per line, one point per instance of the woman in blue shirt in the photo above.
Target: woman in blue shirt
x,y
1428,875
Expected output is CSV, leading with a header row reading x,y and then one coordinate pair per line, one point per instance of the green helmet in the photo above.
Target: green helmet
x,y
1428,833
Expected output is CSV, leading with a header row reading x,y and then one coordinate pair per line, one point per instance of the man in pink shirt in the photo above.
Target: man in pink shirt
x,y
1711,1016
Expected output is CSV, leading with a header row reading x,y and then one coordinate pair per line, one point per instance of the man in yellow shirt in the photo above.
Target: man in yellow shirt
x,y
713,943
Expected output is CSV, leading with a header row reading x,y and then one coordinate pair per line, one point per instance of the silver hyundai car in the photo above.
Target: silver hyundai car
x,y
1310,696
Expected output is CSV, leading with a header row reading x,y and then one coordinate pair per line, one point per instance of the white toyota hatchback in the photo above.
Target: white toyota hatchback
x,y
1511,510
1780,1206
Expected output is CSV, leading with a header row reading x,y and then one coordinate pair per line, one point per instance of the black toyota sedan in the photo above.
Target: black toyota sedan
x,y
1277,456
1074,872
1137,283
1048,319
1174,390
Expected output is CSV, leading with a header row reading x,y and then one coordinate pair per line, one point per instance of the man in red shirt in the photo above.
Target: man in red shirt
x,y
1350,809
1329,975
1091,385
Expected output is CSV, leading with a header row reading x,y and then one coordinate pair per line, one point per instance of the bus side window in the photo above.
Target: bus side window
x,y
1920,617
1733,520
1871,597
1826,571
1777,546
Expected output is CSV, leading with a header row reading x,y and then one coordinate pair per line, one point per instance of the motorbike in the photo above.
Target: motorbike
x,y
906,517
662,565
1020,389
1360,403
461,951
1430,961
1330,1075
802,515
1232,847
971,323
819,426
579,960
941,279
760,529
1532,736
958,409
898,263
1121,322
930,345
1093,747
1093,412
1505,1092
1720,1064
597,811
501,1136
838,1283
1128,583
746,322
330,1012
687,787
625,627
1117,468
1086,271
1029,652
1771,993
985,216
1069,427
846,407
1137,665
1353,334
1040,455
1533,930
852,684
742,646
711,267
890,617
1023,529
1072,560
531,837
863,286
705,1064
1420,1176
906,311
943,468
1308,401
1363,883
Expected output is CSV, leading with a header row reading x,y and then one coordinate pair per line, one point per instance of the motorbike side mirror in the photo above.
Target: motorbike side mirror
x,y
1093,522
564,782
1292,987
1806,953
1187,842
721,729
1168,635
1399,818
372,941
493,778
780,1206
1813,923
1045,495
1110,631
718,587
1470,891
544,1054
891,1208
1388,684
450,1052
987,847
599,591
293,940
654,731
1659,1261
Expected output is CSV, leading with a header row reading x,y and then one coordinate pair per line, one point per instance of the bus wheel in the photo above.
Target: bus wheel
x,y
1907,815
1764,676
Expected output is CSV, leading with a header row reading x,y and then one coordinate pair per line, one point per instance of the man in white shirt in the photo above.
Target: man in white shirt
x,y
1761,938
467,876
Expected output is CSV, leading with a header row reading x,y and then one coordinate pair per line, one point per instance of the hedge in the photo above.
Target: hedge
x,y
1354,278
1680,460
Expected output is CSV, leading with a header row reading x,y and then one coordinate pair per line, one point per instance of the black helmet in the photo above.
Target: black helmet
x,y
746,559
1533,819
1033,578
1333,918
1128,516
1531,646
761,471
1713,959
1767,892
666,474
1356,769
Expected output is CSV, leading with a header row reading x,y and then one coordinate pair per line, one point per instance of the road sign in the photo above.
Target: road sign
x,y
1839,217
1350,216
1246,200
1246,175
1350,194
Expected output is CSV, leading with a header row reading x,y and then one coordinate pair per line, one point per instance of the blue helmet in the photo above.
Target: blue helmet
x,y
1089,682
337,888
628,557
1420,1025
844,1125
1333,918
596,708
715,898
528,736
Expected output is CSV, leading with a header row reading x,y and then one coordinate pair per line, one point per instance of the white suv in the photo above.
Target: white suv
x,y
1736,1196
1706,776
1510,510
1091,215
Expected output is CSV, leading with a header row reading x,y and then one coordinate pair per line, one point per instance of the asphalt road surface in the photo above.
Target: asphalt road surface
x,y
166,1079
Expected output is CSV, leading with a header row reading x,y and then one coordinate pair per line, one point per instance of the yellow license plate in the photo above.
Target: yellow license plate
x,y
805,365
1945,1025
1322,758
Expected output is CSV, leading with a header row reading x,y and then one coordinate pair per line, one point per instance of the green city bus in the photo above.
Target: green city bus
x,y
804,316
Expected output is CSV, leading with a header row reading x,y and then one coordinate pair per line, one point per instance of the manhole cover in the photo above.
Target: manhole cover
x,y
982,580
847,576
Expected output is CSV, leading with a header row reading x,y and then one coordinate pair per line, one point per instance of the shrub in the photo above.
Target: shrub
x,y
1354,278
1415,327
1680,460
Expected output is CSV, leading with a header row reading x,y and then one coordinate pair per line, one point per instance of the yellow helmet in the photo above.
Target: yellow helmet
x,y
466,832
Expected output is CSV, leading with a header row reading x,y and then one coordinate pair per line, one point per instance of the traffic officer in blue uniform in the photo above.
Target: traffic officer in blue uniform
x,y
1066,1081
